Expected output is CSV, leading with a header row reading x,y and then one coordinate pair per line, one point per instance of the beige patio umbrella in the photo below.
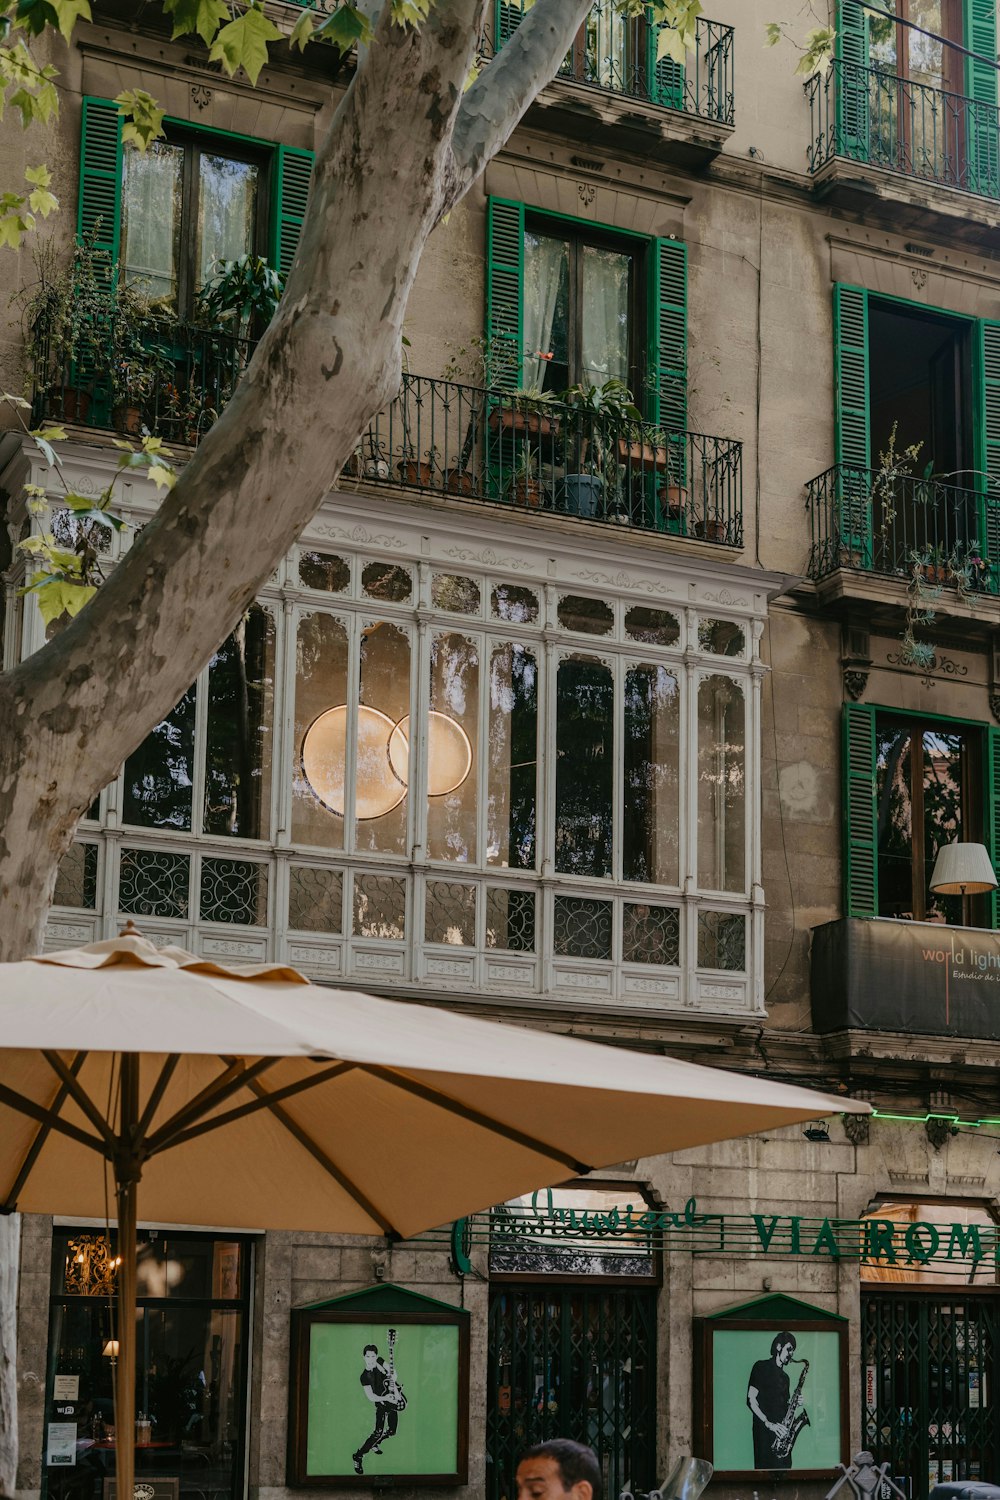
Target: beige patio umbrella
x,y
248,1098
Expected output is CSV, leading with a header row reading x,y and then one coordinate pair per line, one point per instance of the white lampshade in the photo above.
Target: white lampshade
x,y
963,870
449,752
377,788
110,1350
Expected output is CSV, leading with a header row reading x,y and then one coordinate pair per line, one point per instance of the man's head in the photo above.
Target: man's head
x,y
371,1356
781,1348
557,1468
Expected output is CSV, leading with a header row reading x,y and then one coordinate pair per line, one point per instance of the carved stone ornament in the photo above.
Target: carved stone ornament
x,y
938,1131
587,192
857,1128
855,681
201,96
995,706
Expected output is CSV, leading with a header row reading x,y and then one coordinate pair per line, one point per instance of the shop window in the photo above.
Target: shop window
x,y
187,203
191,1380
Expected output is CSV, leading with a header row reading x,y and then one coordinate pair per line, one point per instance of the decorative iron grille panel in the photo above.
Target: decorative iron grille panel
x,y
574,1362
153,883
379,907
510,920
76,880
315,899
722,940
651,934
451,913
234,891
582,928
928,1399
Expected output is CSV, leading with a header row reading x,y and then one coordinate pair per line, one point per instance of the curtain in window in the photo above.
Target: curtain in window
x,y
546,268
151,212
227,208
605,315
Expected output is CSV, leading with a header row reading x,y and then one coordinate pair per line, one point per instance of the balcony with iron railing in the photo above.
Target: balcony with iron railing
x,y
613,65
437,437
903,527
866,122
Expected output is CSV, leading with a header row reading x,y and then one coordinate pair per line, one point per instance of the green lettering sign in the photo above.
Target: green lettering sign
x,y
826,1240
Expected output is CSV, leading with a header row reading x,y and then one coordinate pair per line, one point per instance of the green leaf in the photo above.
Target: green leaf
x,y
18,401
162,477
773,33
201,16
84,509
40,199
68,12
142,116
670,43
346,26
302,32
243,43
57,596
410,12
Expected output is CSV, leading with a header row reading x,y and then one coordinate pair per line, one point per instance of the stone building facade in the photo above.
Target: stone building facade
x,y
686,743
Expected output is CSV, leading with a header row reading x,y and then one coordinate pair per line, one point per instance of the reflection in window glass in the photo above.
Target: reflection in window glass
x,y
324,570
387,582
654,627
320,684
457,595
721,785
513,758
584,767
604,342
651,755
383,769
157,792
510,920
151,218
240,725
511,602
589,616
227,209
924,782
452,748
721,637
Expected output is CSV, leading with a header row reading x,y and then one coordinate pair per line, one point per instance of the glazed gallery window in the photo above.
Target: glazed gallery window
x,y
928,793
581,301
186,203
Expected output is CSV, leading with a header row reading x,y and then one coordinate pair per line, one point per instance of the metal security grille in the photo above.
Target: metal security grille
x,y
576,1362
928,1389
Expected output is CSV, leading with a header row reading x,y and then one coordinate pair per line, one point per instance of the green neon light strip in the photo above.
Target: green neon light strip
x,y
934,1114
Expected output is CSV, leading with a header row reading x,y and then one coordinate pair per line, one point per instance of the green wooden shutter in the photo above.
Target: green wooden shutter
x,y
860,827
852,91
293,171
664,77
987,429
666,353
505,290
99,210
983,142
507,17
993,812
852,425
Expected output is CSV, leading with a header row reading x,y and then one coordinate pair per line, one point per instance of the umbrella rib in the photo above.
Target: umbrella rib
x,y
263,1101
235,1077
80,1096
159,1088
25,1106
455,1107
41,1136
319,1155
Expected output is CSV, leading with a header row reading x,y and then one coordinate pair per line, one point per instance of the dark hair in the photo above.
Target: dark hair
x,y
576,1461
780,1340
372,1347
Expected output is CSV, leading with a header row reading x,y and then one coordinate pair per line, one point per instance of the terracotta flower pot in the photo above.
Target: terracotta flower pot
x,y
416,472
508,419
73,405
527,492
127,419
641,455
459,482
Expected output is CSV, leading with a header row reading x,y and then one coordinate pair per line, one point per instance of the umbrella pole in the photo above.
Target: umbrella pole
x,y
127,1172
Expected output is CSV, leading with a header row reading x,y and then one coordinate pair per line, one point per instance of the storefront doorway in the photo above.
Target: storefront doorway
x,y
192,1330
930,1349
572,1341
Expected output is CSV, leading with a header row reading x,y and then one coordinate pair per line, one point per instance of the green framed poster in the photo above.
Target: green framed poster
x,y
771,1382
379,1391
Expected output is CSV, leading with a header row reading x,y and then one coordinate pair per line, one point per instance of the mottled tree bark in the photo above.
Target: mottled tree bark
x,y
404,146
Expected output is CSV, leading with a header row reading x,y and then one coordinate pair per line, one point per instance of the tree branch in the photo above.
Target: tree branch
x,y
495,103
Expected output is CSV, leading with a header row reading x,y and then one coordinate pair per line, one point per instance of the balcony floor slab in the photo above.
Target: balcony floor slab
x,y
909,204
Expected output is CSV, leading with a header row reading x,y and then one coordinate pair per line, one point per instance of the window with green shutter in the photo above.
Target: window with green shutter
x,y
852,424
193,198
912,784
986,372
983,145
852,93
664,77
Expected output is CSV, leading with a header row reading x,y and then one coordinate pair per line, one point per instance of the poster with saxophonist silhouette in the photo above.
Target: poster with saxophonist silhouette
x,y
384,1398
775,1395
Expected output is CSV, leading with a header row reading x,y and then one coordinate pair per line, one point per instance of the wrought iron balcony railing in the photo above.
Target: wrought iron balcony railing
x,y
618,54
894,526
873,117
533,454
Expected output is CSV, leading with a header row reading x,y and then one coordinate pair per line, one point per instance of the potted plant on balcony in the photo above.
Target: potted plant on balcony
x,y
525,486
526,411
241,296
65,315
138,365
417,471
596,419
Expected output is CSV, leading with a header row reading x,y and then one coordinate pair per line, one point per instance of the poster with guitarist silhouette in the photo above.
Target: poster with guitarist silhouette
x,y
382,1387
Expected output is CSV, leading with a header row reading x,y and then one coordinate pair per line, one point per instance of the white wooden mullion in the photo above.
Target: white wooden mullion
x,y
285,748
